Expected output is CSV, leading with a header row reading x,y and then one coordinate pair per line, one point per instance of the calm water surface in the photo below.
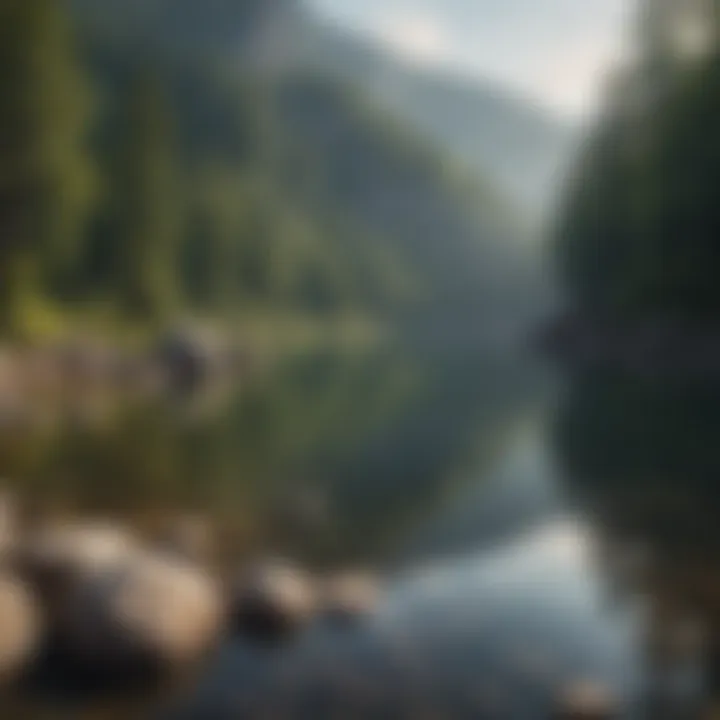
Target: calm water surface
x,y
493,507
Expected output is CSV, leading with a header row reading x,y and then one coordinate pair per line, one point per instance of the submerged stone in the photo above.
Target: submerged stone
x,y
350,595
273,599
20,627
587,700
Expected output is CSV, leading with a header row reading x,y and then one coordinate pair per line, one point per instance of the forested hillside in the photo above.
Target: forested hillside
x,y
483,127
151,169
641,227
488,131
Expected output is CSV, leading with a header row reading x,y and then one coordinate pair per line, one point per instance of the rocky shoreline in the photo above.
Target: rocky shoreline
x,y
103,606
83,380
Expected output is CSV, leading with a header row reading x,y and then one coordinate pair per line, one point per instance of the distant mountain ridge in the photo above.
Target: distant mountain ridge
x,y
522,148
324,198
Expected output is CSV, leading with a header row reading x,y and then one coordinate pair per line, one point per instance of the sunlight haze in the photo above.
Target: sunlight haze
x,y
555,51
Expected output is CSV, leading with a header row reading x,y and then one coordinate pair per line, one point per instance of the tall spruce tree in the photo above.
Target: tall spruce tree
x,y
46,178
147,197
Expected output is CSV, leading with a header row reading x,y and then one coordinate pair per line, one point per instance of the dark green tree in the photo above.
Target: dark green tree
x,y
640,230
148,204
46,179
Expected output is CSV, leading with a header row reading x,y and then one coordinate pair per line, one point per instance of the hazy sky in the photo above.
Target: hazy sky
x,y
554,50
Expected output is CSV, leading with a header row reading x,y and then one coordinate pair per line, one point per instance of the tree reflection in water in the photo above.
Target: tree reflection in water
x,y
643,455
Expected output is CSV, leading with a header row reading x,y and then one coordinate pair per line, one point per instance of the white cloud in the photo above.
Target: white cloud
x,y
572,75
418,36
557,51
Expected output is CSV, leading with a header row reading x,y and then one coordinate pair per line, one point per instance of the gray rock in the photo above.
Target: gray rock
x,y
350,595
190,356
153,612
53,559
587,700
273,599
20,627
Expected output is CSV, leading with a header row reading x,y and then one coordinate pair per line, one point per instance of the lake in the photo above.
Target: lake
x,y
533,533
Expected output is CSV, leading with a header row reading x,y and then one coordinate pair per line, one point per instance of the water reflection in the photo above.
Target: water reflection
x,y
334,458
514,568
492,634
331,454
642,455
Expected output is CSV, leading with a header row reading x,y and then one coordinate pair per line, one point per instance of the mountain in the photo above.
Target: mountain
x,y
523,148
488,131
299,187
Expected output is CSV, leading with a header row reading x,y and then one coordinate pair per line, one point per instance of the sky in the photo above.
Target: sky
x,y
554,51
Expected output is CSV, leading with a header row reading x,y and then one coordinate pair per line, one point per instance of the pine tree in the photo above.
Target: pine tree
x,y
148,204
45,175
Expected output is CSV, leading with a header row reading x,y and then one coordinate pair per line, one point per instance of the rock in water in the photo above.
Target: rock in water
x,y
190,356
587,700
350,596
272,600
54,559
154,613
20,627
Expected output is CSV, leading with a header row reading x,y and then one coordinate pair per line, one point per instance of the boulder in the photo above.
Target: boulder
x,y
20,627
53,559
190,356
350,596
44,373
153,613
586,700
85,362
273,599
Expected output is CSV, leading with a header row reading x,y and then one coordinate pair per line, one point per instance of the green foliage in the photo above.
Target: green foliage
x,y
641,227
147,200
46,178
221,188
345,159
